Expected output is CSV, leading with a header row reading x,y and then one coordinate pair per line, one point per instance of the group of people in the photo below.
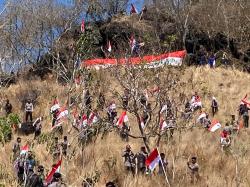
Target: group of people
x,y
136,164
209,58
25,164
28,172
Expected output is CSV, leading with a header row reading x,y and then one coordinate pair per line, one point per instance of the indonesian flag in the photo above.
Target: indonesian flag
x,y
244,100
92,118
153,159
84,120
63,113
54,170
163,124
202,115
215,125
83,26
133,10
24,149
150,61
109,47
122,119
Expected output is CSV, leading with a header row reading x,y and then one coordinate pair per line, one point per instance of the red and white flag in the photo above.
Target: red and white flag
x,y
122,119
245,101
153,159
92,118
83,26
54,170
133,10
84,120
63,113
163,124
109,47
24,149
215,125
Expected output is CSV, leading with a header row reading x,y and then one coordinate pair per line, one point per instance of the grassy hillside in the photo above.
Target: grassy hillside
x,y
103,156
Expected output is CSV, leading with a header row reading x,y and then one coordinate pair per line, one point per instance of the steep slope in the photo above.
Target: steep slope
x,y
103,156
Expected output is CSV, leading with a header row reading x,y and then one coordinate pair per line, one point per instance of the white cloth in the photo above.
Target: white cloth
x,y
29,107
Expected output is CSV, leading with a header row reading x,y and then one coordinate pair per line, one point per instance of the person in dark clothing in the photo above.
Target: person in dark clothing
x,y
141,160
87,101
16,148
241,108
38,127
56,149
35,179
20,163
162,165
245,115
146,116
64,145
110,184
129,159
54,116
101,101
125,99
8,107
214,106
56,180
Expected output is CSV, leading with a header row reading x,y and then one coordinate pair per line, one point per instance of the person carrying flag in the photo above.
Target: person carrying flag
x,y
162,165
141,160
245,115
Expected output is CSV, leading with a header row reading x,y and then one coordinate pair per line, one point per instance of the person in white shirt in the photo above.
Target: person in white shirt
x,y
28,110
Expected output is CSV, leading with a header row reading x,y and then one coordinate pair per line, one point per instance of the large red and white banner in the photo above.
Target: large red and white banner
x,y
151,61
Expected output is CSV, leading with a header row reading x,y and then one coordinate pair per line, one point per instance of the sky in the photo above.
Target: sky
x,y
138,3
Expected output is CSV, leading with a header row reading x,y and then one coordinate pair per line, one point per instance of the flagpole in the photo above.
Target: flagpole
x,y
164,171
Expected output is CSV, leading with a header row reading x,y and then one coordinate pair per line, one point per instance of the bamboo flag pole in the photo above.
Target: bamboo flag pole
x,y
164,171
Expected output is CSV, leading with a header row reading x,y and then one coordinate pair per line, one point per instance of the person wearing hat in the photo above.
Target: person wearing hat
x,y
194,169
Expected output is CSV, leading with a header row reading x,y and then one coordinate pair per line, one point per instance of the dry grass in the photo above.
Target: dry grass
x,y
217,168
